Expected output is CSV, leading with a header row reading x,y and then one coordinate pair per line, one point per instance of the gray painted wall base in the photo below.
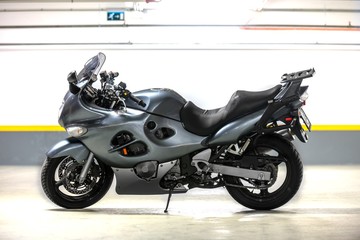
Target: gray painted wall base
x,y
337,147
330,147
27,148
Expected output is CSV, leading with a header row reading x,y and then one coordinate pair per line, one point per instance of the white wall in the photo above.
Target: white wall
x,y
33,78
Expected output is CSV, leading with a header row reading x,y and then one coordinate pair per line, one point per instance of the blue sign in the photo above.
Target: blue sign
x,y
116,16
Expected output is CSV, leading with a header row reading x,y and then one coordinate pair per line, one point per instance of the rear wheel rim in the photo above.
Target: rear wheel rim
x,y
283,175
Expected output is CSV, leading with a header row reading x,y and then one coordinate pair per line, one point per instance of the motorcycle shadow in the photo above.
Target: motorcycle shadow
x,y
303,211
210,213
114,211
159,211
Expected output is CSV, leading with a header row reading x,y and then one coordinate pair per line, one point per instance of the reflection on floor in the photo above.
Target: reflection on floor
x,y
326,207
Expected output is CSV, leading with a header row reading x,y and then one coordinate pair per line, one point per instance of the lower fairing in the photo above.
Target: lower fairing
x,y
128,181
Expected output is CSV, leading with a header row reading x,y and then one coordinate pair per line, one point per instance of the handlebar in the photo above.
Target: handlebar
x,y
140,102
113,93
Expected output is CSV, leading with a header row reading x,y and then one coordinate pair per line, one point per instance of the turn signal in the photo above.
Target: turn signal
x,y
124,151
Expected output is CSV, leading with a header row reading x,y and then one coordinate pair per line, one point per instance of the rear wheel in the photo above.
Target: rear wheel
x,y
60,182
282,160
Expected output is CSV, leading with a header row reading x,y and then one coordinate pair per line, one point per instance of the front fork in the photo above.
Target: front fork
x,y
86,167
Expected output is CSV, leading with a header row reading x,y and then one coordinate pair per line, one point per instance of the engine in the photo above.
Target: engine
x,y
146,170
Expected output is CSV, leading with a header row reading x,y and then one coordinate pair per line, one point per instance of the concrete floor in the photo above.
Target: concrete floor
x,y
326,207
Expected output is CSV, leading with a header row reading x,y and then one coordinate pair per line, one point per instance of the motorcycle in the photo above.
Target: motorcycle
x,y
156,142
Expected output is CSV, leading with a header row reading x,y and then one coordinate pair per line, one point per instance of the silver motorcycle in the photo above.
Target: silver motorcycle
x,y
156,142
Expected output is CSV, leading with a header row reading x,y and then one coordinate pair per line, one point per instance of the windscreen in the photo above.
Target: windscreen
x,y
92,66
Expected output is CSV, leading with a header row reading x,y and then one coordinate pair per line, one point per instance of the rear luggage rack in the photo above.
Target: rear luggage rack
x,y
289,77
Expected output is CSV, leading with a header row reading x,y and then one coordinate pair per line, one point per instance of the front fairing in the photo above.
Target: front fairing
x,y
74,111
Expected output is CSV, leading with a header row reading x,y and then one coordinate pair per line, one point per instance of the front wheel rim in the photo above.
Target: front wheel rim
x,y
65,180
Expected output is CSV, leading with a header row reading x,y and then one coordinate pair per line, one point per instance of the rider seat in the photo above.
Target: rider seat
x,y
204,122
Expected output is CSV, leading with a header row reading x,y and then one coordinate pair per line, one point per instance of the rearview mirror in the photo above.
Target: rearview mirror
x,y
72,77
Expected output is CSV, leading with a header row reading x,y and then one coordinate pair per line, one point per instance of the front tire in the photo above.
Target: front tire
x,y
269,198
59,180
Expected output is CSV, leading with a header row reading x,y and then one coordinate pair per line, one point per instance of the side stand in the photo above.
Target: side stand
x,y
168,200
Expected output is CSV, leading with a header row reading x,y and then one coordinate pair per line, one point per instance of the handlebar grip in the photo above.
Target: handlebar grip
x,y
137,100
142,103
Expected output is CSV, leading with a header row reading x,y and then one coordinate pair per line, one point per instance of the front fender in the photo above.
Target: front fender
x,y
69,147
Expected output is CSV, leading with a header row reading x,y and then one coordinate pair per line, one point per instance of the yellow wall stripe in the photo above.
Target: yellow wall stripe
x,y
57,128
335,128
35,128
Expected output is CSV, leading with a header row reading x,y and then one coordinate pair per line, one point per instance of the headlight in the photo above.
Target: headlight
x,y
76,131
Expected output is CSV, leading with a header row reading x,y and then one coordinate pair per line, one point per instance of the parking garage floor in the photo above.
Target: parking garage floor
x,y
326,207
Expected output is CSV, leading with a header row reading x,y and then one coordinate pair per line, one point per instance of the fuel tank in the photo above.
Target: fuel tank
x,y
159,101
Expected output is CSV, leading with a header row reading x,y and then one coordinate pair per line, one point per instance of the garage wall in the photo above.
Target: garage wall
x,y
34,83
205,64
34,80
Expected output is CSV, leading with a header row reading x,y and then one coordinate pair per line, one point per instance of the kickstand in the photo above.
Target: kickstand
x,y
168,200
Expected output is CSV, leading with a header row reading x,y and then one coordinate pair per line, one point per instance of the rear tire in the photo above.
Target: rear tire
x,y
264,199
59,181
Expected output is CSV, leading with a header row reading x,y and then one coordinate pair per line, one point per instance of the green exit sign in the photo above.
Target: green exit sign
x,y
116,16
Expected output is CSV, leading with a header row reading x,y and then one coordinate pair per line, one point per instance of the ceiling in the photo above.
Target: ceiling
x,y
326,13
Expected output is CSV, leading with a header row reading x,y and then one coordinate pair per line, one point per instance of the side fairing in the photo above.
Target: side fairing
x,y
105,138
231,132
124,138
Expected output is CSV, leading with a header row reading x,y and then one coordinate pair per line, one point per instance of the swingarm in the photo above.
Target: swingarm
x,y
204,166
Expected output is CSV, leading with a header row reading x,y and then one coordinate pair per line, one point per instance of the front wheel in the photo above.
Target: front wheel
x,y
282,160
59,180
